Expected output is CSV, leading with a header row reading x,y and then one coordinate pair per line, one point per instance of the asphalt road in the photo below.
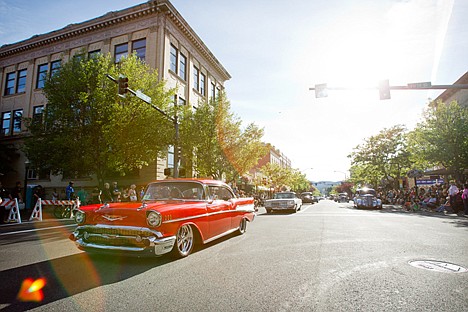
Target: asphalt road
x,y
327,257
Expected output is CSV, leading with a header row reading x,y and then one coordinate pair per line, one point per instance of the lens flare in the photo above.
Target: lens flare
x,y
31,290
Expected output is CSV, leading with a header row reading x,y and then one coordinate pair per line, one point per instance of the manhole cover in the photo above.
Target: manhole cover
x,y
438,266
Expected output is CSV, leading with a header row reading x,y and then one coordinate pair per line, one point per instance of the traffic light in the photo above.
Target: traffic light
x,y
321,90
179,152
384,89
123,85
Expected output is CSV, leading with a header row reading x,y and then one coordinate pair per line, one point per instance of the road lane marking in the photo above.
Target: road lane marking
x,y
35,230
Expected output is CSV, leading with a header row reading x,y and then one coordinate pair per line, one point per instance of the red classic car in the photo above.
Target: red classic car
x,y
173,216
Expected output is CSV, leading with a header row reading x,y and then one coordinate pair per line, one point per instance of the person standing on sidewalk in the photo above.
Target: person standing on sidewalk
x,y
116,192
70,191
452,192
106,194
465,199
17,192
4,196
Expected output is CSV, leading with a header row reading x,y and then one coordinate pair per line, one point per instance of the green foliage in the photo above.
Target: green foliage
x,y
286,178
381,159
441,139
214,143
88,129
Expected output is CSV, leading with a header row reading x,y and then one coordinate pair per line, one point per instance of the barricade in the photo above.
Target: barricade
x,y
37,211
14,214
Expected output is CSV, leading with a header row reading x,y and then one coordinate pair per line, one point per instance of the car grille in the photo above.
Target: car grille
x,y
115,236
117,231
114,241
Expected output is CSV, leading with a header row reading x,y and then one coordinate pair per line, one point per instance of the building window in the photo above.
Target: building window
x,y
213,91
173,59
202,83
182,66
41,75
170,156
93,54
10,84
37,114
55,67
78,57
182,102
17,118
196,78
21,85
6,123
120,51
139,46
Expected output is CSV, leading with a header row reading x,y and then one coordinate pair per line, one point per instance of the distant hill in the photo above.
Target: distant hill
x,y
322,186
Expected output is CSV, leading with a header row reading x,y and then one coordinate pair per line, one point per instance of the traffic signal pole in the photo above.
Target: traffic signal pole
x,y
384,88
123,84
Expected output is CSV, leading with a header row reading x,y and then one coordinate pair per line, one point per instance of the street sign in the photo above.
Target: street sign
x,y
420,85
142,96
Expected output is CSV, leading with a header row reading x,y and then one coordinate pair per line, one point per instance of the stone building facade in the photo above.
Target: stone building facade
x,y
155,30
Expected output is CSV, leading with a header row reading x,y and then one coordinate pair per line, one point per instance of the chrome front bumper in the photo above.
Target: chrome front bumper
x,y
134,240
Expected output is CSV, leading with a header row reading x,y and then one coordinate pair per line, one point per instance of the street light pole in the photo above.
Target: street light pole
x,y
176,146
345,176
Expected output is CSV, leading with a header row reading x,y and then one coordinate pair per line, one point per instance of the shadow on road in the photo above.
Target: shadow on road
x,y
70,275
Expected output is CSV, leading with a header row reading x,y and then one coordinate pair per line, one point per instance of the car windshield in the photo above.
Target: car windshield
x,y
174,190
367,192
284,195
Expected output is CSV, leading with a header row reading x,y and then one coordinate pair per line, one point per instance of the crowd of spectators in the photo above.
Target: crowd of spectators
x,y
437,198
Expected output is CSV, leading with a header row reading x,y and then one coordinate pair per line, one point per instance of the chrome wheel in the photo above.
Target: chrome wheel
x,y
184,240
243,226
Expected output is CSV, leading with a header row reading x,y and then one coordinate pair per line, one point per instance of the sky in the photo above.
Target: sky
x,y
276,50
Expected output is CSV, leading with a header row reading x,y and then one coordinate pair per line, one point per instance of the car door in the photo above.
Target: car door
x,y
219,210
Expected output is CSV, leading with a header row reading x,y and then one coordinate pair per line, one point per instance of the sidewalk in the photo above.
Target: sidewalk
x,y
47,217
400,208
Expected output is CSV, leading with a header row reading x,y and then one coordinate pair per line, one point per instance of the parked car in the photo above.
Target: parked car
x,y
283,201
173,216
367,198
342,198
308,197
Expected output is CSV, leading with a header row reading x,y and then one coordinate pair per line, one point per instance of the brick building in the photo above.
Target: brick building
x,y
155,30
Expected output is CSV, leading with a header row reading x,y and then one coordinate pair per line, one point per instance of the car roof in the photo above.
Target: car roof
x,y
199,180
365,189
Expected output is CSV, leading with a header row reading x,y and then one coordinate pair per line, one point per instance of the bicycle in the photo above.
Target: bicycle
x,y
63,212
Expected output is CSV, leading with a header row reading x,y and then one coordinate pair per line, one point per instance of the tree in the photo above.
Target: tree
x,y
382,158
441,139
345,187
88,129
282,178
299,182
214,143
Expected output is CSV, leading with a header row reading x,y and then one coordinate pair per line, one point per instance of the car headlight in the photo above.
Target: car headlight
x,y
291,202
80,217
153,218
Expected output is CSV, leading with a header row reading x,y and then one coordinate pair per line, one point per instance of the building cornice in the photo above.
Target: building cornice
x,y
450,92
112,19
